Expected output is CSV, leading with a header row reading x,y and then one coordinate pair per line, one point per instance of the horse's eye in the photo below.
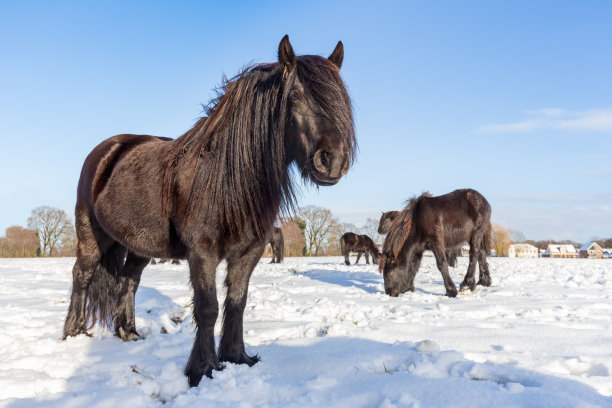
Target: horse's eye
x,y
294,96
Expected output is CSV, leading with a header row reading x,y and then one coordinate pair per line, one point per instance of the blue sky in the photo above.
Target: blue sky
x,y
513,99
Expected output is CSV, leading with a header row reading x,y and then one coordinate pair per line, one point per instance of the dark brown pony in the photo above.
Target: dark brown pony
x,y
386,219
440,224
278,245
213,194
362,244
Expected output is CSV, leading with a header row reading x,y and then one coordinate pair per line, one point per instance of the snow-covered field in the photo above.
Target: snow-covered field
x,y
541,336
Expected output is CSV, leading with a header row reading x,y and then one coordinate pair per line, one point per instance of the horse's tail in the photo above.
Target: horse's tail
x,y
342,245
102,291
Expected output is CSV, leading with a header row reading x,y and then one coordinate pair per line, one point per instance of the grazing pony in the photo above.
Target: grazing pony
x,y
213,194
362,244
440,224
278,245
386,219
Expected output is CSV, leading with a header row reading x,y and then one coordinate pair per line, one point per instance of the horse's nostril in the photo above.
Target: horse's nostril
x,y
324,158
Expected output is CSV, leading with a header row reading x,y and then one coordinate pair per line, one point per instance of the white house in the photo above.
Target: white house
x,y
522,251
591,250
561,251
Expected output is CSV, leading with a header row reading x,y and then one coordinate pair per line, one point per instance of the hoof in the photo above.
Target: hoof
x,y
73,332
131,335
451,292
485,281
241,358
194,377
76,332
471,286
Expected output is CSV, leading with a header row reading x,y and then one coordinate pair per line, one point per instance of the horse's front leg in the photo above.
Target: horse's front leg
x,y
414,263
358,258
231,346
203,359
449,285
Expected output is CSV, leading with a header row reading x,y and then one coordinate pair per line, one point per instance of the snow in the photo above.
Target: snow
x,y
327,335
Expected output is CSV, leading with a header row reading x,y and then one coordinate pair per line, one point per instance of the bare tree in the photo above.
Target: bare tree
x,y
69,242
518,237
4,247
370,228
21,242
320,222
52,225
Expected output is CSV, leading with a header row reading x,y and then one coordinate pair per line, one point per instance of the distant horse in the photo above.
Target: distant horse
x,y
386,219
278,245
362,244
440,224
213,194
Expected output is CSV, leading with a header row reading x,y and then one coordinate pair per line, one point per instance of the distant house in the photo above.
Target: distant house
x,y
561,251
522,251
591,250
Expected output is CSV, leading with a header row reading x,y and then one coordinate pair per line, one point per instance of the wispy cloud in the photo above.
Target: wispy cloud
x,y
594,120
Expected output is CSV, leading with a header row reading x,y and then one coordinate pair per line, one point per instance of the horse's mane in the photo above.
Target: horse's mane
x,y
400,230
236,153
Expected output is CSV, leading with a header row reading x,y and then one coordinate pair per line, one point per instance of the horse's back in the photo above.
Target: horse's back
x,y
121,184
101,161
460,212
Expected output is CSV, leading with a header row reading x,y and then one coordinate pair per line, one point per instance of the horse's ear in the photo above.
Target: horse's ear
x,y
338,55
286,56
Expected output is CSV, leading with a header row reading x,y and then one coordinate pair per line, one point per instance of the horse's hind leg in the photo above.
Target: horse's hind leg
x,y
128,280
367,256
470,281
91,244
485,277
358,257
346,257
231,345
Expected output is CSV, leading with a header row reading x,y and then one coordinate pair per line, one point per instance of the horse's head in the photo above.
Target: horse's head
x,y
395,274
385,221
320,135
397,253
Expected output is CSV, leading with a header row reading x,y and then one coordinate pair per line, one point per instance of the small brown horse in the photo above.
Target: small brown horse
x,y
440,224
278,245
362,244
213,194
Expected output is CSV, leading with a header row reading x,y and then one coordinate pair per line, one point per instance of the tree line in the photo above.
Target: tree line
x,y
49,232
313,231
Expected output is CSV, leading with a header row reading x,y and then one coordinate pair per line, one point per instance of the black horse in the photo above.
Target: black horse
x,y
441,224
278,245
386,219
213,194
362,244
